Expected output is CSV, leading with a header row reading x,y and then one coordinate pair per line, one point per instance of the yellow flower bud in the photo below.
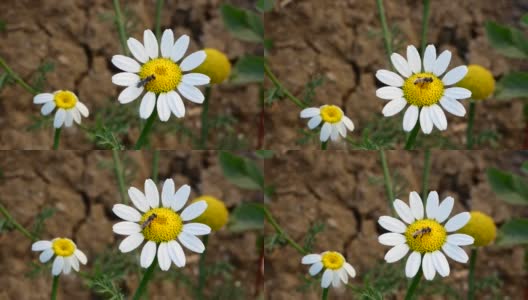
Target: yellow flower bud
x,y
216,215
481,227
216,66
479,81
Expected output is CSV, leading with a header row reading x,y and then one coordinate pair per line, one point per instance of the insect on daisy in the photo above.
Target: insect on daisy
x,y
426,238
159,76
335,122
162,226
69,107
66,252
337,269
422,89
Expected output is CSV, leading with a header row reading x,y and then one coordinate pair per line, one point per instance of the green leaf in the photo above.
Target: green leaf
x,y
524,167
513,232
248,69
509,187
513,85
524,20
247,216
265,5
507,41
242,172
243,24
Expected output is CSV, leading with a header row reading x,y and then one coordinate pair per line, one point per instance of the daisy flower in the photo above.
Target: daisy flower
x,y
66,252
160,76
69,107
422,89
161,226
335,122
427,238
336,268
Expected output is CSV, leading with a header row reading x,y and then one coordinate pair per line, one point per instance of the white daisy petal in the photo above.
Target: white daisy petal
x,y
126,228
180,47
148,253
341,128
126,212
413,58
396,253
192,61
453,106
58,263
458,221
311,259
438,117
181,196
460,239
167,192
410,118
391,239
428,267
176,253
129,94
126,63
403,211
389,93
138,199
194,210
41,245
167,41
389,78
310,112
196,79
60,116
163,108
191,93
43,98
456,253
326,130
147,105
328,275
66,268
82,109
429,58
348,123
74,263
457,93
164,260
196,228
151,43
350,269
413,264
442,62
394,107
455,75
131,242
46,255
191,242
76,115
152,194
336,280
138,50
444,209
431,207
416,205
335,133
314,122
315,268
425,120
440,263
401,65
80,256
176,104
392,224
68,120
47,108
125,79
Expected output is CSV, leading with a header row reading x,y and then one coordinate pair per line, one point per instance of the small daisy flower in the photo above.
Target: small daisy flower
x,y
215,215
335,122
160,76
479,81
422,89
216,66
481,227
69,107
66,252
426,238
336,268
161,226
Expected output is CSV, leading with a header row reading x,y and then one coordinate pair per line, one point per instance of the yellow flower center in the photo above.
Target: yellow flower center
x,y
479,81
161,225
216,66
333,260
331,113
164,75
481,227
65,99
423,89
425,236
216,214
63,247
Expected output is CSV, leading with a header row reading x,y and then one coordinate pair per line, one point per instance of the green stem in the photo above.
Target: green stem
x,y
427,170
280,231
385,28
205,119
155,163
54,287
324,145
387,179
17,78
201,266
411,139
143,137
413,286
472,263
19,227
471,120
56,138
425,24
157,26
120,26
144,281
277,84
325,293
118,170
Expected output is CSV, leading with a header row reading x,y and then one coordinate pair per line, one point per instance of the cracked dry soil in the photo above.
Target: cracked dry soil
x,y
345,192
342,41
79,38
82,189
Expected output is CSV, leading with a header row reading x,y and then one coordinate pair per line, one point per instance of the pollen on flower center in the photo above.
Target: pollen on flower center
x,y
63,247
333,260
167,75
331,114
425,236
65,99
161,225
423,89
